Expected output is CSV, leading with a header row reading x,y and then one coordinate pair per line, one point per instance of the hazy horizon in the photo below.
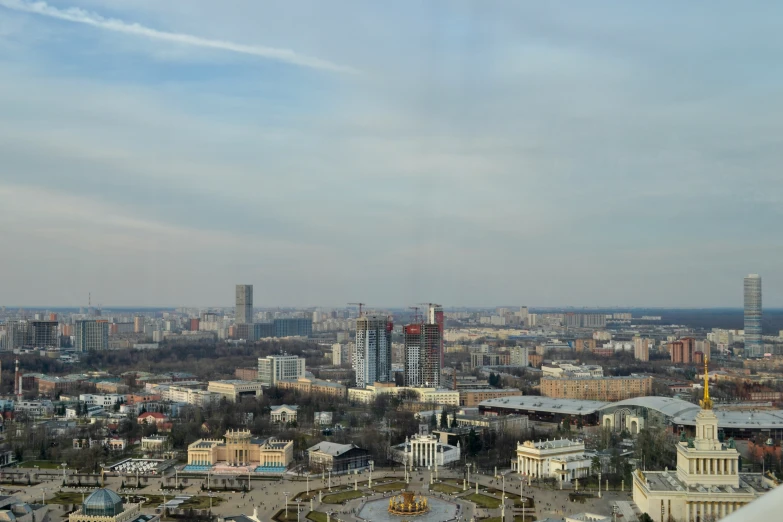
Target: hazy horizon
x,y
458,152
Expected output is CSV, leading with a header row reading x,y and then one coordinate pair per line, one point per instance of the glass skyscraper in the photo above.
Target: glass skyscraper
x,y
754,345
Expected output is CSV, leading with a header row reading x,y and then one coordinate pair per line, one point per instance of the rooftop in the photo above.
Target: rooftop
x,y
666,405
537,403
750,483
331,448
757,420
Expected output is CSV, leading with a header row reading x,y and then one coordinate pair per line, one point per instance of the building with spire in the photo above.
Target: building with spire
x,y
707,484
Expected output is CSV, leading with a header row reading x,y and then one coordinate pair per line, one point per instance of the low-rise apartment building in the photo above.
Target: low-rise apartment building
x,y
472,398
609,389
429,395
309,386
234,390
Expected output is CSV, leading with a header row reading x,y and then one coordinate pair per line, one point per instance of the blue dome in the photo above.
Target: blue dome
x,y
102,503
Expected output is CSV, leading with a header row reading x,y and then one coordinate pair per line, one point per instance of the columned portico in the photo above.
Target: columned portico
x,y
707,484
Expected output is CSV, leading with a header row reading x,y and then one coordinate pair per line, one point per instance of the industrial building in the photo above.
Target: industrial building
x,y
635,414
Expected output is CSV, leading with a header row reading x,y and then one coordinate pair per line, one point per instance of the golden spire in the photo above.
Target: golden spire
x,y
706,402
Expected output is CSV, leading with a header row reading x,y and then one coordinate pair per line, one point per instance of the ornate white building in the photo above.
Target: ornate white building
x,y
707,484
425,450
563,459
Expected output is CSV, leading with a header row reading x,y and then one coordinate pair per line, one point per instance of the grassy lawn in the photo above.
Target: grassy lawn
x,y
316,516
530,503
339,498
483,501
389,486
280,516
441,487
66,498
304,496
43,464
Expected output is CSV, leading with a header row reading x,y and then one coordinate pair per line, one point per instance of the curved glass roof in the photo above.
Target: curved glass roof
x,y
666,405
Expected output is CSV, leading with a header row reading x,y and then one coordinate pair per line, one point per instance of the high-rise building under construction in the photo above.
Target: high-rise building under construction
x,y
422,355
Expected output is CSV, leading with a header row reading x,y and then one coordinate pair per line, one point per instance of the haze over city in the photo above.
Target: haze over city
x,y
155,153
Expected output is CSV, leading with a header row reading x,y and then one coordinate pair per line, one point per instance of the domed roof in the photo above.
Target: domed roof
x,y
102,502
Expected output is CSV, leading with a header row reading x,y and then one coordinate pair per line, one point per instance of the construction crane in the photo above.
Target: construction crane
x,y
360,305
429,305
416,313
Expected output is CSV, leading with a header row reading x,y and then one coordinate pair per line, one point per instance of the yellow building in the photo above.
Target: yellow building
x,y
239,448
707,484
308,386
368,394
234,390
608,389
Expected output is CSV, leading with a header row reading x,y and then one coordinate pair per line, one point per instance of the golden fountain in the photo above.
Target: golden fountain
x,y
408,504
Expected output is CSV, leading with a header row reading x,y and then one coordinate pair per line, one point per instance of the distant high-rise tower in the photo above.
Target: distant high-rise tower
x,y
435,316
373,357
91,335
244,303
754,345
422,355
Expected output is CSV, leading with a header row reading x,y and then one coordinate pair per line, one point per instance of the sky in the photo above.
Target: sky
x,y
467,153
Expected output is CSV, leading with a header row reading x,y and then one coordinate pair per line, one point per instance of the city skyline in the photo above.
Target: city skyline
x,y
157,152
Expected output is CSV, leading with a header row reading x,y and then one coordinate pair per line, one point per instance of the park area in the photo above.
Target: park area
x,y
442,487
339,498
390,486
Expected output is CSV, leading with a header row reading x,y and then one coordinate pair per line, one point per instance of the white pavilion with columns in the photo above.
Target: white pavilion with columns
x,y
563,459
424,450
707,484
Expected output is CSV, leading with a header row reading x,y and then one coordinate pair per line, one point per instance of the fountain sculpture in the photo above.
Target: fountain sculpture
x,y
408,504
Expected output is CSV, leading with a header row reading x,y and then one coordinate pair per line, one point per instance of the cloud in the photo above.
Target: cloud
x,y
80,16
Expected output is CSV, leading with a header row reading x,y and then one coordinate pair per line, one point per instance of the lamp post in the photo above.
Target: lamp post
x,y
64,465
524,508
43,496
307,478
298,509
372,465
285,494
330,480
599,484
